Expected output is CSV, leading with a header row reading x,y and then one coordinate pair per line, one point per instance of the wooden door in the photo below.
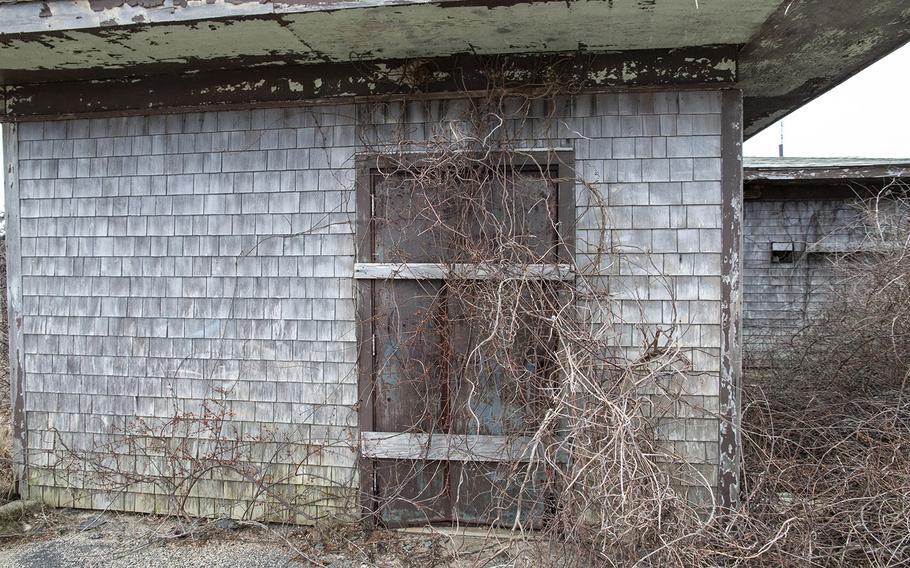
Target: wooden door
x,y
444,425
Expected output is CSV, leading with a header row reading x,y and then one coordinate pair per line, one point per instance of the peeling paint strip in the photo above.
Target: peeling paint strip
x,y
282,85
14,302
729,465
845,172
65,15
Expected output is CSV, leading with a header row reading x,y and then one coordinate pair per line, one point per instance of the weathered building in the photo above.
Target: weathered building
x,y
799,216
192,223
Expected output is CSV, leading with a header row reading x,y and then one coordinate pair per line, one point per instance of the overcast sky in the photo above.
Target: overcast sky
x,y
866,116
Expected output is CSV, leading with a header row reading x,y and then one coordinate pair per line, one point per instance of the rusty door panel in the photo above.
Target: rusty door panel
x,y
405,222
497,494
526,207
485,400
413,492
492,391
427,383
431,372
409,382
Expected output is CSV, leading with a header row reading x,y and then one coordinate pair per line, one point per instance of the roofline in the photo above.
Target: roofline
x,y
791,173
802,50
808,47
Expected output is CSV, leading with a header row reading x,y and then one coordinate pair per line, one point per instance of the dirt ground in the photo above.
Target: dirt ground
x,y
70,539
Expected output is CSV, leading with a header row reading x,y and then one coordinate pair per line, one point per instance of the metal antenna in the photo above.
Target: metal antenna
x,y
780,147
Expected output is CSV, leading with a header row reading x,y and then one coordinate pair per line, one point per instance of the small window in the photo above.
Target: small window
x,y
782,253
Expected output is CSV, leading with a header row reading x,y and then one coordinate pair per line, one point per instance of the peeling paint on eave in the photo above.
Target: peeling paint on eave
x,y
28,17
111,38
816,44
854,172
293,84
20,17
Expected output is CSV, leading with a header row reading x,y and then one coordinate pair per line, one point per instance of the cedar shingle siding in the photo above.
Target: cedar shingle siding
x,y
166,257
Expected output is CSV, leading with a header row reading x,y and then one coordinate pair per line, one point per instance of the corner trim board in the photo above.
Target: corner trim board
x,y
14,303
730,441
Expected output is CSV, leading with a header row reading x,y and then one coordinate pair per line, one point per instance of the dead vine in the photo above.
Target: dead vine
x,y
473,186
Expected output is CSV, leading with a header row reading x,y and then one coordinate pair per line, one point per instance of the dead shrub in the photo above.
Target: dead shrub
x,y
827,417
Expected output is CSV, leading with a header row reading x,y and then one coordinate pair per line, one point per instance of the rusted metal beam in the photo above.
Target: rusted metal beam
x,y
288,85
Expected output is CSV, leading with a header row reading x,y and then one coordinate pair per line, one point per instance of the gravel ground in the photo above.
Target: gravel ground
x,y
66,538
123,541
73,539
72,552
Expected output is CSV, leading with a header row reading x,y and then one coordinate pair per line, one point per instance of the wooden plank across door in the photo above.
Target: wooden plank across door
x,y
436,271
452,447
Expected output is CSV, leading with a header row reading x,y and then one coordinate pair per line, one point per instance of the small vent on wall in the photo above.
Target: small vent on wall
x,y
782,253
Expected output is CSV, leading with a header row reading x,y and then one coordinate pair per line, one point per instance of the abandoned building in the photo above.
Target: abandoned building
x,y
218,220
799,216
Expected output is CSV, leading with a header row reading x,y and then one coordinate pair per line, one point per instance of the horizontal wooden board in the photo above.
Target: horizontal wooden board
x,y
432,271
451,447
852,247
259,81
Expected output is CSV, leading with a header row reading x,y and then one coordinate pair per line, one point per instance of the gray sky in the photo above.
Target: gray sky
x,y
866,116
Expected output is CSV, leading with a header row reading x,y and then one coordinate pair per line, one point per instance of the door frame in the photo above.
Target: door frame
x,y
374,445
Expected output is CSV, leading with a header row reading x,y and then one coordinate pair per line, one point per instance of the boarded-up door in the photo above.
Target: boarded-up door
x,y
444,426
